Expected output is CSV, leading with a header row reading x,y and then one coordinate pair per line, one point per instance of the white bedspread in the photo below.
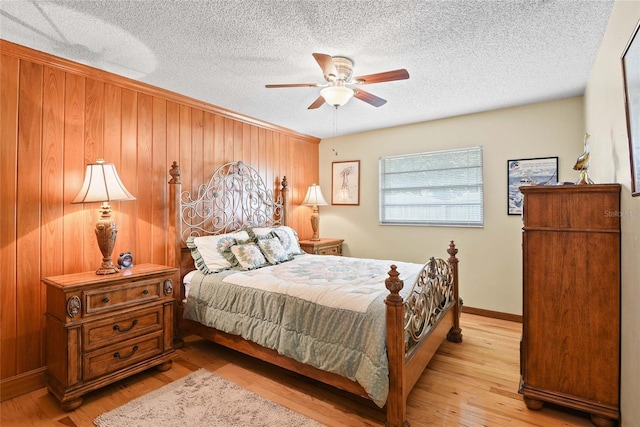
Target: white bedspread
x,y
331,281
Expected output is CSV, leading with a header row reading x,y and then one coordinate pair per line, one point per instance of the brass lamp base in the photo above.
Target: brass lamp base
x,y
106,232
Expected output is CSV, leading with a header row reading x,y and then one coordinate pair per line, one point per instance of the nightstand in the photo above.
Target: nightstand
x,y
322,246
101,329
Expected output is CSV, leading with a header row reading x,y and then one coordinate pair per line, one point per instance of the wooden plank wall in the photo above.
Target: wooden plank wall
x,y
57,116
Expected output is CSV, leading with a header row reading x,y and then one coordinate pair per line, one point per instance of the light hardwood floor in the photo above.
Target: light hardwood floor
x,y
470,384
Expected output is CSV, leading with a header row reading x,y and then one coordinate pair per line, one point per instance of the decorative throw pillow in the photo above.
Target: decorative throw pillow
x,y
273,250
241,237
249,256
261,232
212,254
289,239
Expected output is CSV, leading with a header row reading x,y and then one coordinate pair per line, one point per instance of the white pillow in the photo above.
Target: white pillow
x,y
215,250
249,256
289,239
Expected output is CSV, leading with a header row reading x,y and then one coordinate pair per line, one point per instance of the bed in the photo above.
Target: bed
x,y
248,286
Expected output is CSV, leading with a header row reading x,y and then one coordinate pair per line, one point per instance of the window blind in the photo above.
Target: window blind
x,y
435,188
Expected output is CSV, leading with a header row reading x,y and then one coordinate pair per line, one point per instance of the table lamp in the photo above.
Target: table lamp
x,y
102,184
314,198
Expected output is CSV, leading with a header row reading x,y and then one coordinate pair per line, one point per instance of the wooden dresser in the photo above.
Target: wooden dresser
x,y
101,329
570,350
322,246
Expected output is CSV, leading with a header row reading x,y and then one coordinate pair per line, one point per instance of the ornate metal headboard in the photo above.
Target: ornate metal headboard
x,y
235,197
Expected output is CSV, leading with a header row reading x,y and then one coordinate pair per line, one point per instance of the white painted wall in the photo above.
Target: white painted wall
x,y
490,257
606,121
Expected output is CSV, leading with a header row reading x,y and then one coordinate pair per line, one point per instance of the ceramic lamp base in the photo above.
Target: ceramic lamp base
x,y
106,232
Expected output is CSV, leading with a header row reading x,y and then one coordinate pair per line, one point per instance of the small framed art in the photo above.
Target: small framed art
x,y
345,183
540,171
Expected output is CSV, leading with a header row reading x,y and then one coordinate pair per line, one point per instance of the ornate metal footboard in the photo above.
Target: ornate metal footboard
x,y
430,295
417,324
434,291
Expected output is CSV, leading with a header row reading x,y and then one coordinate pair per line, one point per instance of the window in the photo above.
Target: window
x,y
437,188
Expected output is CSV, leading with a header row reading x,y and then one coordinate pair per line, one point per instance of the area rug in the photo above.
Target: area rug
x,y
202,399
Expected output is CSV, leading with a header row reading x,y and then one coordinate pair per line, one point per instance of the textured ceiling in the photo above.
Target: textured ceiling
x,y
463,56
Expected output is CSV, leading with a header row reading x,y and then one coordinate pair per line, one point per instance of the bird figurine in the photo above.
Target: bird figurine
x,y
582,163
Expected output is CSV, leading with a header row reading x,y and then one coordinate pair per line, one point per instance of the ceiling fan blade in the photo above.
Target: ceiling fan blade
x,y
316,104
387,76
326,63
376,101
293,85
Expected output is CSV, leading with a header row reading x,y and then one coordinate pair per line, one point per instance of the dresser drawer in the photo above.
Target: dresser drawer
x,y
119,356
110,331
104,299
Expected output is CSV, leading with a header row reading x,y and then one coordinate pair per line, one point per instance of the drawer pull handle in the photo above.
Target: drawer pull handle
x,y
117,327
105,300
133,350
145,292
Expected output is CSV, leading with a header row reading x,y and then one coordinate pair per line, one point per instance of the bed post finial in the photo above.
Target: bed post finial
x,y
455,333
394,285
175,173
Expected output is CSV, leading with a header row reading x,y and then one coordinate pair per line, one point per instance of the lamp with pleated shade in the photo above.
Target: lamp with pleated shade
x,y
102,184
314,198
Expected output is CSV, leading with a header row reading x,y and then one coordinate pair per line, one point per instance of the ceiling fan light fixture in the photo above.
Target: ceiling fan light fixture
x,y
337,96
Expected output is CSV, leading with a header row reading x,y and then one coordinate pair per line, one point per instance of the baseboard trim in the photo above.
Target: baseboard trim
x,y
22,384
494,314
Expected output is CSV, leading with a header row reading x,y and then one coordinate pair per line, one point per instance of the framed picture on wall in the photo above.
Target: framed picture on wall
x,y
631,71
540,171
345,183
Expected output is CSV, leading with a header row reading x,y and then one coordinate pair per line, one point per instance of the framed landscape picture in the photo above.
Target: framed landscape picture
x,y
540,171
345,183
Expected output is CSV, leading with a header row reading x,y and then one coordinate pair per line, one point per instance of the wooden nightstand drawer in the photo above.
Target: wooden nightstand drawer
x,y
323,246
119,356
116,297
334,250
108,331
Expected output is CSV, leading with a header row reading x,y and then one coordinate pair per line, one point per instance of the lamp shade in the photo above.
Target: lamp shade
x,y
336,95
314,196
102,184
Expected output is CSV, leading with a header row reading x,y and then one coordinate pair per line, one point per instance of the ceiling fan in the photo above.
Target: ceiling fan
x,y
337,90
